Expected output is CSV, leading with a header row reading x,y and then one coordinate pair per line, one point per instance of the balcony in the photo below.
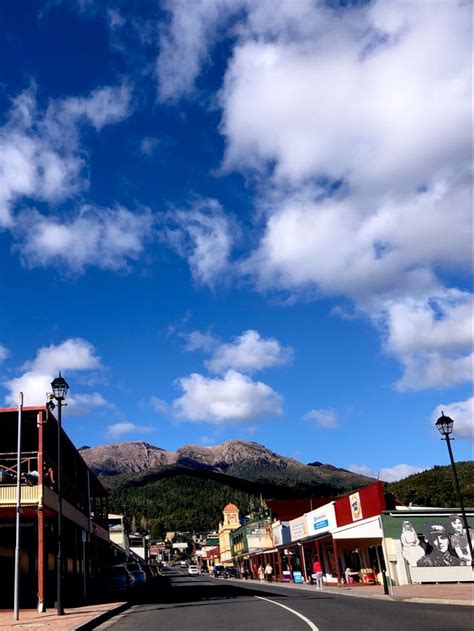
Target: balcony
x,y
30,491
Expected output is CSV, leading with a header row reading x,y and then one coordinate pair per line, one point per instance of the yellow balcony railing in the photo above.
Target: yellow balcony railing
x,y
29,495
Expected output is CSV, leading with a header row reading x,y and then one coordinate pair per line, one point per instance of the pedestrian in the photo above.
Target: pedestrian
x,y
261,573
269,572
348,575
318,574
255,571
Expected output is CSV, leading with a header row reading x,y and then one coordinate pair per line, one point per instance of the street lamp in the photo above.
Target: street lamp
x,y
59,387
445,427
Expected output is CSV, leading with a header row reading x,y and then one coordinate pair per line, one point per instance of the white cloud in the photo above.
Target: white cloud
x,y
159,405
362,469
234,398
4,352
249,352
323,418
80,404
388,474
199,340
184,44
117,430
102,237
398,472
72,355
40,153
432,336
462,413
203,235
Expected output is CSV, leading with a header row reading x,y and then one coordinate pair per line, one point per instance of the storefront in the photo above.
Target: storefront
x,y
427,545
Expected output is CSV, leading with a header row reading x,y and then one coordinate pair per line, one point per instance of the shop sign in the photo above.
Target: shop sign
x,y
356,508
321,519
297,577
298,528
278,535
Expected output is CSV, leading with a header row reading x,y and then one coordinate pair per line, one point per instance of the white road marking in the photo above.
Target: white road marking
x,y
310,624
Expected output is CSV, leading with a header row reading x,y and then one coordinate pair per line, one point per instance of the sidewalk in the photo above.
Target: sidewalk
x,y
77,618
440,593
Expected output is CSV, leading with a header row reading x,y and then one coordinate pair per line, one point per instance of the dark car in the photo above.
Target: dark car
x,y
138,574
231,572
118,580
218,570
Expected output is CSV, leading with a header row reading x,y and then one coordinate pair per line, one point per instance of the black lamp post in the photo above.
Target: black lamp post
x,y
445,427
59,387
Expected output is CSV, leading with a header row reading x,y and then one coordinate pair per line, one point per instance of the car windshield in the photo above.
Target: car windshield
x,y
116,571
134,567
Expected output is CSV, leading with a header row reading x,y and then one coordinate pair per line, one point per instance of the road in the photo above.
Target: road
x,y
202,603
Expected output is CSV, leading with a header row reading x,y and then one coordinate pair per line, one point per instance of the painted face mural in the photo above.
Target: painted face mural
x,y
438,544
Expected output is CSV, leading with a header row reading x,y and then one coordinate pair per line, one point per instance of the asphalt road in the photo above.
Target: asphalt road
x,y
202,603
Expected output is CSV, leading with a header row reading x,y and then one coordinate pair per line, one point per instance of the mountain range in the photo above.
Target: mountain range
x,y
244,460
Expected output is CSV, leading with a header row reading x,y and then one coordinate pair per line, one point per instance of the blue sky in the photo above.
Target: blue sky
x,y
221,220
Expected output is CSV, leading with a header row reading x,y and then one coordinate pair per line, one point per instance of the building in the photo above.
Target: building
x,y
86,547
118,533
230,523
254,537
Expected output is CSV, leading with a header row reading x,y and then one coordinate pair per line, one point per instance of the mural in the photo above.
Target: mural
x,y
440,544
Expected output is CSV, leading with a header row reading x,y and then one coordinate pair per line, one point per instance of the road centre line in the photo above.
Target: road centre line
x,y
311,625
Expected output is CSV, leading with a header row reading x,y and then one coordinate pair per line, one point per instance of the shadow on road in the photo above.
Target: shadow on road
x,y
189,593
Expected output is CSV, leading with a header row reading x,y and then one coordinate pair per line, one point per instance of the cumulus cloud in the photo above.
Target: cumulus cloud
x,y
322,418
108,238
462,412
202,235
4,352
72,355
117,430
233,398
388,474
40,153
432,336
369,203
249,352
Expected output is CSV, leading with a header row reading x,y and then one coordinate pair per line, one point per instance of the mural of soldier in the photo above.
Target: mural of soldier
x,y
441,553
411,548
458,538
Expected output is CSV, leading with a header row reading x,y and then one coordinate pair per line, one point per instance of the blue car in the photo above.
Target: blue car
x,y
118,580
137,572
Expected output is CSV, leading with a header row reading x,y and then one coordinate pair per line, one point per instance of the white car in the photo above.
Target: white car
x,y
193,570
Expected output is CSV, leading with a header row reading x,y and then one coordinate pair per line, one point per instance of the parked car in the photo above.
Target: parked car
x,y
193,570
138,574
118,580
183,564
231,572
151,573
218,570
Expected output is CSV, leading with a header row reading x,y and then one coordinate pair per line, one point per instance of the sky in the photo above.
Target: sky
x,y
228,219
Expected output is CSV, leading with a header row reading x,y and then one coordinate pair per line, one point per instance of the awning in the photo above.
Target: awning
x,y
370,528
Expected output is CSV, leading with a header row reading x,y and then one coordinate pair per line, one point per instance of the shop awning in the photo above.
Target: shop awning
x,y
370,528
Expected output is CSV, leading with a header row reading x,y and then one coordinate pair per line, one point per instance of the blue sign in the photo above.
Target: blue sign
x,y
324,523
297,577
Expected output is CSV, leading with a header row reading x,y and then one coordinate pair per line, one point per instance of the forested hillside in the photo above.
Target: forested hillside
x,y
183,502
435,487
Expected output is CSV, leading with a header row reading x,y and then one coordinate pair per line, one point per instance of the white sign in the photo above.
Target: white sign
x,y
356,508
180,546
322,519
298,528
278,534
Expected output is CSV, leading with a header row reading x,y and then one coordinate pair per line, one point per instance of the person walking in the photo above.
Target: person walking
x,y
318,574
261,573
269,572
